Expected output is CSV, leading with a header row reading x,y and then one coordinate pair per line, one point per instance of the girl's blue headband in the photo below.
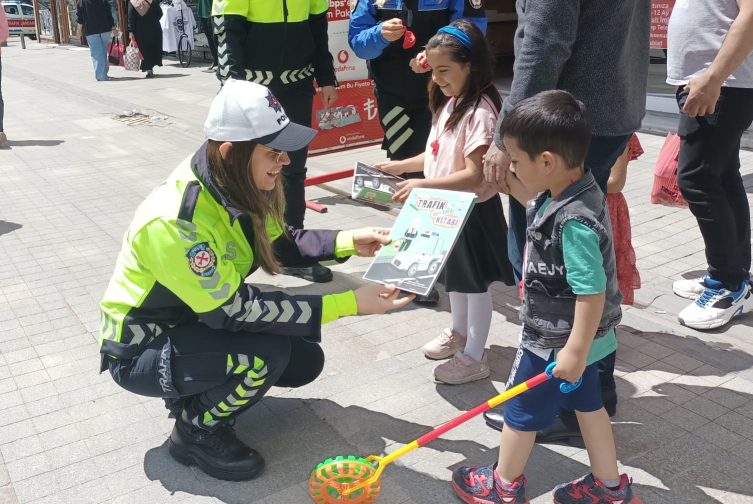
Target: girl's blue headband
x,y
458,34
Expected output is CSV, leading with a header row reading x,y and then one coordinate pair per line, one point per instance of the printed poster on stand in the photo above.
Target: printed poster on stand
x,y
353,119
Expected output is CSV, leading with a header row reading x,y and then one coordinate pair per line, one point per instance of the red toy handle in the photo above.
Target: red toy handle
x,y
526,385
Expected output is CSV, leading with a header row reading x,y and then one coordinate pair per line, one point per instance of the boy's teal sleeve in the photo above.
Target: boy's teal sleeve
x,y
335,306
584,263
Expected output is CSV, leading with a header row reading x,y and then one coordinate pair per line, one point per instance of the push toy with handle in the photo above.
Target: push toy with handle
x,y
356,480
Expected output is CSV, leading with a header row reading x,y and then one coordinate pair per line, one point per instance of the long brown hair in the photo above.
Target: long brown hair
x,y
480,79
234,178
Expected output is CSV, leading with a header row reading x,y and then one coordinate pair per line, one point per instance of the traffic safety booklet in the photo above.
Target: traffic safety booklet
x,y
373,185
422,238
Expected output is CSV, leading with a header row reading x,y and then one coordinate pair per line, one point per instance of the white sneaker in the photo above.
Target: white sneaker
x,y
462,369
445,345
690,289
717,306
3,138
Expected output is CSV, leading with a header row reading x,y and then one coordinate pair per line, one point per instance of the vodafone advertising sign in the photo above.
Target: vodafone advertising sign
x,y
352,120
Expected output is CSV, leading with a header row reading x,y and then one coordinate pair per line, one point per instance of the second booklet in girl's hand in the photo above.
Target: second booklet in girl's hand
x,y
422,238
373,185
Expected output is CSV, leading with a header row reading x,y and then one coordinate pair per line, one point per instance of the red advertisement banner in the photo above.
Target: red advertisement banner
x,y
21,23
352,120
660,12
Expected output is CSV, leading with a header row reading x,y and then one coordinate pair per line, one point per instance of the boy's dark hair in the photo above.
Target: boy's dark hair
x,y
479,81
551,121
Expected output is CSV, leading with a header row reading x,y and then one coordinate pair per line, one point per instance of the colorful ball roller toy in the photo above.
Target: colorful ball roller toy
x,y
356,480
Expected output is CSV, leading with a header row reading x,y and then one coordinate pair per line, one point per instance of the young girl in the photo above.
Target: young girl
x,y
464,104
628,277
390,34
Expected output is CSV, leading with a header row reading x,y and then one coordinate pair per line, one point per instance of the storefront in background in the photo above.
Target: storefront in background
x,y
56,20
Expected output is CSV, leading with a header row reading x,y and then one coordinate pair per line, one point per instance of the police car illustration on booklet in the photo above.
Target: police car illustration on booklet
x,y
373,185
422,238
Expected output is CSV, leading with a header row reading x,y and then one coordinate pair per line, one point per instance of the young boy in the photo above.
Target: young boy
x,y
570,308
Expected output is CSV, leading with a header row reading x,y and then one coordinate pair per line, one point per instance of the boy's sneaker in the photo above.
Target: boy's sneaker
x,y
3,138
462,369
717,305
482,485
690,289
591,490
445,345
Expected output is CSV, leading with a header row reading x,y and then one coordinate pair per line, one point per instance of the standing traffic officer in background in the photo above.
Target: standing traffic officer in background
x,y
391,35
283,45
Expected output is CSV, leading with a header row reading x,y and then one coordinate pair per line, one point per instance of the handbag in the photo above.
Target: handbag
x,y
131,58
141,6
666,191
115,51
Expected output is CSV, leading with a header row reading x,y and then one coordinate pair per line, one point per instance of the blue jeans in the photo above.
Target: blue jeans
x,y
98,49
602,154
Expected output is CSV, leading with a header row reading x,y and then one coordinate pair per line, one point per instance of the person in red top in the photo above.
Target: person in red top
x,y
628,277
4,34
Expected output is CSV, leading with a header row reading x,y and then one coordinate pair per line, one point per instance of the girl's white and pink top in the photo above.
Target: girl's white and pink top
x,y
476,129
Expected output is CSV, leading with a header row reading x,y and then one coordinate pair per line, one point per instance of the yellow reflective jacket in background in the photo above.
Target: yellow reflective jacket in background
x,y
281,44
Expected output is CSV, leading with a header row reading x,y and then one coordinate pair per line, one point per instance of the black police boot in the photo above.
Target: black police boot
x,y
495,418
431,298
220,454
175,407
564,429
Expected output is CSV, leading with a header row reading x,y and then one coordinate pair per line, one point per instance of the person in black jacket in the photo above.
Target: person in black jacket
x,y
281,44
95,24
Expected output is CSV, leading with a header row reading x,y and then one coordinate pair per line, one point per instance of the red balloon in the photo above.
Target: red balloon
x,y
409,40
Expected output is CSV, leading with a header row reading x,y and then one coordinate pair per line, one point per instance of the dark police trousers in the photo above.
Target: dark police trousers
x,y
298,105
224,372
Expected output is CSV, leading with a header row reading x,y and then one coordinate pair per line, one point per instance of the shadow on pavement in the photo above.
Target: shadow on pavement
x,y
8,227
142,77
295,435
684,436
32,143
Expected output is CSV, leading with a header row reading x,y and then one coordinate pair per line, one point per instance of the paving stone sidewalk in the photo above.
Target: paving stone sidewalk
x,y
70,180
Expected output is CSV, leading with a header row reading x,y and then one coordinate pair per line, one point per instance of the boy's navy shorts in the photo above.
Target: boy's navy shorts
x,y
536,409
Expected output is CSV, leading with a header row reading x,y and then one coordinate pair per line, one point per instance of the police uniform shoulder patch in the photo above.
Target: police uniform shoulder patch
x,y
202,260
476,4
353,5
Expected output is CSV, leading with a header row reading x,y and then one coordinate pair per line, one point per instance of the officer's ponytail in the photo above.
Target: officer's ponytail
x,y
234,178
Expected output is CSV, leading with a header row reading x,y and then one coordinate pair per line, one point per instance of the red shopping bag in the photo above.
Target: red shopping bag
x,y
665,191
115,52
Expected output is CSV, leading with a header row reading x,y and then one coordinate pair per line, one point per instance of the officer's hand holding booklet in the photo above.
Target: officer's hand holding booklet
x,y
423,234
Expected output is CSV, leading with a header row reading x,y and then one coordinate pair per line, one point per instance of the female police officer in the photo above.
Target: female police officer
x,y
179,322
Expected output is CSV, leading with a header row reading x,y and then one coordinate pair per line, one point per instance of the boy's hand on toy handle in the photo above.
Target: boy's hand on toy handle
x,y
380,299
392,167
496,163
570,365
393,29
368,241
